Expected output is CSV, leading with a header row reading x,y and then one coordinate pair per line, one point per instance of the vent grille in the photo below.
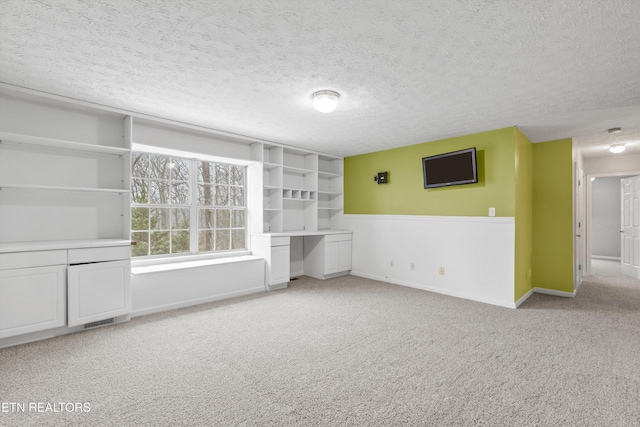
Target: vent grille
x,y
99,323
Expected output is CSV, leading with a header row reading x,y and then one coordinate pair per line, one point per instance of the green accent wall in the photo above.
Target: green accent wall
x,y
530,182
523,214
405,193
553,216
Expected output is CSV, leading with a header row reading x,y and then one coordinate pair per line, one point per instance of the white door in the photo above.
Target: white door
x,y
99,291
630,227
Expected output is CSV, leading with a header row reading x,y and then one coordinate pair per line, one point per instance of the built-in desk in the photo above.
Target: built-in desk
x,y
321,254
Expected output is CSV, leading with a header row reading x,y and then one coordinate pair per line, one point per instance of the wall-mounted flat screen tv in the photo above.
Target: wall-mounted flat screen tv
x,y
454,168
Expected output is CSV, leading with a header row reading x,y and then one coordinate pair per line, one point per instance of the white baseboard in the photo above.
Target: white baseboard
x,y
469,297
554,292
505,304
609,258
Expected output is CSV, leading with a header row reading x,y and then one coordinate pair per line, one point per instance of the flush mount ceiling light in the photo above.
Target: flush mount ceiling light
x,y
615,130
617,149
325,101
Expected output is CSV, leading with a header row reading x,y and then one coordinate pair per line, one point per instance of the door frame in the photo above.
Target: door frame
x,y
579,225
587,229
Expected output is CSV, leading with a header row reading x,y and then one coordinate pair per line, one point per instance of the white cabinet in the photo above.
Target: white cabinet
x,y
99,291
32,299
279,272
337,257
32,292
344,255
327,256
276,252
331,258
46,288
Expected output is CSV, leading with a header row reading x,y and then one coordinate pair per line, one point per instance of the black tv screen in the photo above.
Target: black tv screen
x,y
455,168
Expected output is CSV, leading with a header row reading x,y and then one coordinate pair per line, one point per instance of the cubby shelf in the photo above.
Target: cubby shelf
x,y
300,190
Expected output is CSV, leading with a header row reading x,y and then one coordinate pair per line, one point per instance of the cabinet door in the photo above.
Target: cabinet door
x,y
331,258
32,299
344,257
99,291
279,265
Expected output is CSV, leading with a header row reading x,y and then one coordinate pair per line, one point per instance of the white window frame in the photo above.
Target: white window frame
x,y
193,253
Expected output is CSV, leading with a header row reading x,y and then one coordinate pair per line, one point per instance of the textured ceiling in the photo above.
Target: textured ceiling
x,y
408,71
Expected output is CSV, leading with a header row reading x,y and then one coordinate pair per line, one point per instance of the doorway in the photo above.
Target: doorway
x,y
604,219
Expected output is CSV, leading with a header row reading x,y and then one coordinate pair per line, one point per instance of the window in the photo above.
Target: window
x,y
169,194
221,207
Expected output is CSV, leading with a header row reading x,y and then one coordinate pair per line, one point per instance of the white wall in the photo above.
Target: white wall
x,y
605,217
164,287
477,254
612,164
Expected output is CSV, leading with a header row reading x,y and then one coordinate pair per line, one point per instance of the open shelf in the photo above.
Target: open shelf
x,y
300,190
61,188
64,174
328,174
294,170
15,138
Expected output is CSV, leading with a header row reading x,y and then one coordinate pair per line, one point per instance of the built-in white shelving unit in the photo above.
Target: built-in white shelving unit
x,y
64,172
301,190
64,215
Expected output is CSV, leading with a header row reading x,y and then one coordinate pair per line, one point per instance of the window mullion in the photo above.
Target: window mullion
x,y
193,211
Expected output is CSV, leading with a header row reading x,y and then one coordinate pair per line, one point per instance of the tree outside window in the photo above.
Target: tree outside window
x,y
162,205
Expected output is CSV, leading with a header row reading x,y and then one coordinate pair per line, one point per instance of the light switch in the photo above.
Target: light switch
x,y
492,211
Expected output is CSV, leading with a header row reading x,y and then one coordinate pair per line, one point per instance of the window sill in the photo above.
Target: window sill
x,y
169,264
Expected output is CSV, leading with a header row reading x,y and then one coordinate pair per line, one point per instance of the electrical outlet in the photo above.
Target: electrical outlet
x,y
442,271
492,211
413,266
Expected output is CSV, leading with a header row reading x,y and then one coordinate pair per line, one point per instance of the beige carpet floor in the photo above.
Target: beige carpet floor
x,y
347,351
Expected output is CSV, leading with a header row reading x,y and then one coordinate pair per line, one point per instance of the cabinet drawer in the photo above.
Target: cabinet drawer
x,y
14,260
337,237
280,241
79,256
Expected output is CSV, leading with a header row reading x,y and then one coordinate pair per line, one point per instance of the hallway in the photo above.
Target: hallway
x,y
605,267
607,286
